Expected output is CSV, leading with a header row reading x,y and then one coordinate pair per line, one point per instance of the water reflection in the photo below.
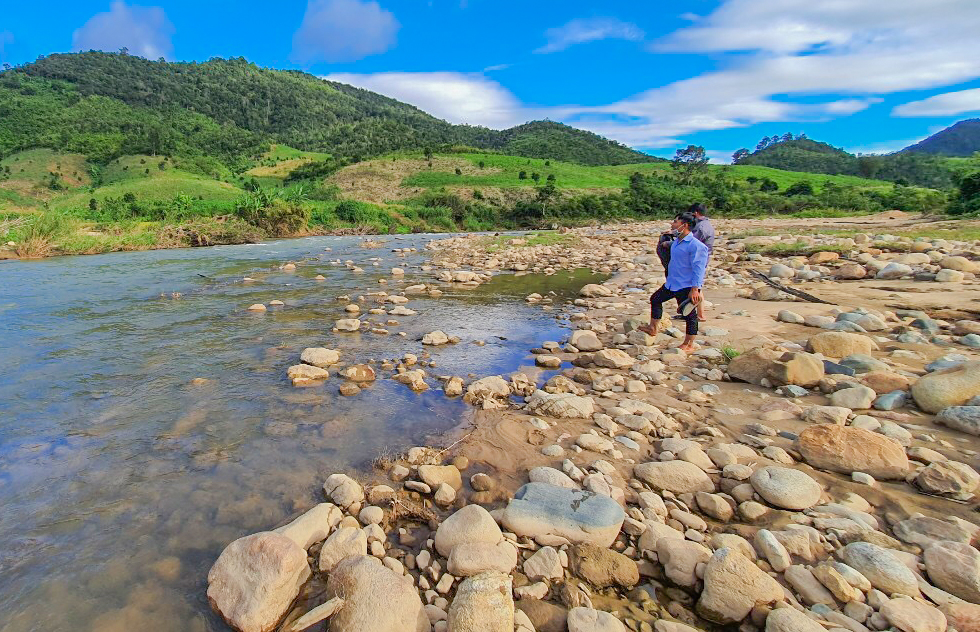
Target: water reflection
x,y
122,476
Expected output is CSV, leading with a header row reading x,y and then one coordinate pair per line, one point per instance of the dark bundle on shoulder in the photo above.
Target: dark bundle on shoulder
x,y
663,248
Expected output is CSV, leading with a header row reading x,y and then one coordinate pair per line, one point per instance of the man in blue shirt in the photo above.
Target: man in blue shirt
x,y
704,230
685,276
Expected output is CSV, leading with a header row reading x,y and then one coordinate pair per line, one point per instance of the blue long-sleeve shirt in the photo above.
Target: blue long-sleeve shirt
x,y
688,261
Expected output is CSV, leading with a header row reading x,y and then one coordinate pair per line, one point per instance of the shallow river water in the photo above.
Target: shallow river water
x,y
121,479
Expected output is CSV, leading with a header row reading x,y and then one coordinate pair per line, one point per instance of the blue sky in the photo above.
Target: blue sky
x,y
866,75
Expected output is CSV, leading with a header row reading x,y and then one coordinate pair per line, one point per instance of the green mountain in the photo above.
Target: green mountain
x,y
959,139
804,154
227,111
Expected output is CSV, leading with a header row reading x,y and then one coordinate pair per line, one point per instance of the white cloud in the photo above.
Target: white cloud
x,y
453,96
145,31
947,104
588,30
343,30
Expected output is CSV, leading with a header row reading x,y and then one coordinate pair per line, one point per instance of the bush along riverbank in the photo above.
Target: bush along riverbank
x,y
808,467
311,207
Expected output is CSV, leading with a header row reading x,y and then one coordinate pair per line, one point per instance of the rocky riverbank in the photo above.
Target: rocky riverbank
x,y
811,467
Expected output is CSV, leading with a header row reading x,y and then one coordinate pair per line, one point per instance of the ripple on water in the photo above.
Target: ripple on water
x,y
121,479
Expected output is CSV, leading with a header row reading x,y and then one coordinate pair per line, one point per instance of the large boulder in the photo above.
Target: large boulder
x,y
489,393
342,543
947,387
594,290
786,488
954,567
483,603
840,344
679,477
963,418
256,579
847,449
376,599
886,572
753,365
560,405
948,478
470,524
539,509
344,491
733,586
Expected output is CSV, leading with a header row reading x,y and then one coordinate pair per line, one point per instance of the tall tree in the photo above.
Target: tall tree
x,y
738,155
689,161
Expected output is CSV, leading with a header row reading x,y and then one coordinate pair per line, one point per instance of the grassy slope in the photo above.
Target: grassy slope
x,y
502,172
280,160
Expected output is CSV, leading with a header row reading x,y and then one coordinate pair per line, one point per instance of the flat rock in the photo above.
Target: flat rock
x,y
472,558
840,344
436,475
885,571
847,449
602,567
948,478
560,405
909,615
791,620
954,567
320,356
588,620
539,509
679,477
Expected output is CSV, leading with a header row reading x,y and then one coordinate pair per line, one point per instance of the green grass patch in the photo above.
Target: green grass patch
x,y
789,249
161,187
544,238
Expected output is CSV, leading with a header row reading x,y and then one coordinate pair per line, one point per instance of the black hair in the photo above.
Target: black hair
x,y
697,207
688,219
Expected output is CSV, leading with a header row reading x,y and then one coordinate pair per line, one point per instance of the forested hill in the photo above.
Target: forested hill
x,y
106,105
959,139
804,154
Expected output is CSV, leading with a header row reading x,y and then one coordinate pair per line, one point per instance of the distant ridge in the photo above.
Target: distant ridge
x,y
105,105
959,139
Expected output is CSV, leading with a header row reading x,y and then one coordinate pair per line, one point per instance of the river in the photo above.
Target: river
x,y
122,478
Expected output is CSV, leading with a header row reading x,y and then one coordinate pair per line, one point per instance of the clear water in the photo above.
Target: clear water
x,y
121,480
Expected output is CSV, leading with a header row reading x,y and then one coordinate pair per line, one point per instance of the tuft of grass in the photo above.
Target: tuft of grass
x,y
730,352
544,238
43,231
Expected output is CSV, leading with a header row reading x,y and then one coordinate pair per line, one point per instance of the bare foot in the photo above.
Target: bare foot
x,y
648,330
702,319
687,348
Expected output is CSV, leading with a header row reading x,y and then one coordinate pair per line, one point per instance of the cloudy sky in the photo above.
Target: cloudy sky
x,y
866,75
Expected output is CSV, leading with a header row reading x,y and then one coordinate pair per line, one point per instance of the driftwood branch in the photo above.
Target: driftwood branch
x,y
794,292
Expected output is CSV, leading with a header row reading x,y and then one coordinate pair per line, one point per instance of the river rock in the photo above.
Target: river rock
x,y
313,526
544,615
435,338
306,373
256,579
948,478
855,398
586,340
343,490
320,356
413,379
925,531
885,381
544,564
602,567
786,488
908,615
560,405
594,290
551,476
826,415
846,449
947,387
753,365
348,324
539,509
894,271
801,369
963,418
612,359
483,603
954,567
342,543
733,586
359,373
840,344
436,475
376,599
885,571
680,559
791,620
472,558
470,524
488,392
679,477
588,620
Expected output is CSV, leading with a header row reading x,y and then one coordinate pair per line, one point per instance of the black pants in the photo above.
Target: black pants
x,y
661,296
